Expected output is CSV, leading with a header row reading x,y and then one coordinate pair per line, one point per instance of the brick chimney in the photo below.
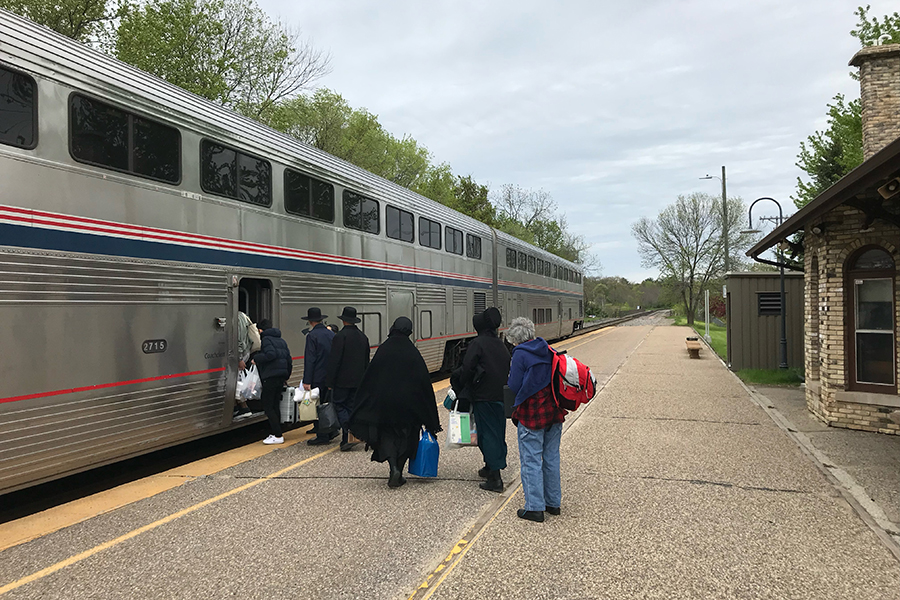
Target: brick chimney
x,y
879,86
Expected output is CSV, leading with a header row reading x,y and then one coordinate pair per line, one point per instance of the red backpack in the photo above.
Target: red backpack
x,y
572,382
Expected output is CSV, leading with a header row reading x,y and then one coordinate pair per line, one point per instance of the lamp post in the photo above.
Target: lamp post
x,y
783,364
724,214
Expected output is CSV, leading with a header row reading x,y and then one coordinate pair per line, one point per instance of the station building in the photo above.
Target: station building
x,y
851,250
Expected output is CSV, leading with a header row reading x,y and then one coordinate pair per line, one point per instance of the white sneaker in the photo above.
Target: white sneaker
x,y
273,440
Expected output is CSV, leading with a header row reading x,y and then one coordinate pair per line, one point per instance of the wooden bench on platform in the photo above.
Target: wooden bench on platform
x,y
693,347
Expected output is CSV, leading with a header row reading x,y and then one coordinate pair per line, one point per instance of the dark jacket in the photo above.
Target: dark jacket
x,y
529,371
274,357
315,357
348,359
485,368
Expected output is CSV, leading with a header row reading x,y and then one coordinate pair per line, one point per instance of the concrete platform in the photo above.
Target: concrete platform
x,y
676,484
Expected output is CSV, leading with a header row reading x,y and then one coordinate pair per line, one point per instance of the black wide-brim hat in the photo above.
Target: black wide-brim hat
x,y
349,315
314,314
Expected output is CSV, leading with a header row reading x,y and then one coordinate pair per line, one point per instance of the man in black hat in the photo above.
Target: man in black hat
x,y
346,366
315,362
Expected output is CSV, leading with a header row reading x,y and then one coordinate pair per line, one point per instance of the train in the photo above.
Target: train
x,y
137,219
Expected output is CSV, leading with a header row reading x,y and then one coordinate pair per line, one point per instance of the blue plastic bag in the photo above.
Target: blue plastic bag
x,y
425,464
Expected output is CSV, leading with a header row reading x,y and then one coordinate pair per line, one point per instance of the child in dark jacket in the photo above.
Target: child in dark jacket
x,y
275,366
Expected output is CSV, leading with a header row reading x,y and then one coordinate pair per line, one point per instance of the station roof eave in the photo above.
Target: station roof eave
x,y
870,175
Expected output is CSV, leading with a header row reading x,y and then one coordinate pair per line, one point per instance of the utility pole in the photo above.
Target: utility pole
x,y
725,218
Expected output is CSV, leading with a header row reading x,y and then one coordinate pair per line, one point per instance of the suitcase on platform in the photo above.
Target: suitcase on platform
x,y
288,407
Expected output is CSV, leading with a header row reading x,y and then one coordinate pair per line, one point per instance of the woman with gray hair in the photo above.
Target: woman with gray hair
x,y
538,418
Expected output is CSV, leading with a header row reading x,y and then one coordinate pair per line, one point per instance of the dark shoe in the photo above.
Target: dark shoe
x,y
531,515
484,472
347,446
317,441
553,510
312,430
493,483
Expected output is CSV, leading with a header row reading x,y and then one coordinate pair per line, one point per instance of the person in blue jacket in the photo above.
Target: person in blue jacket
x,y
315,364
538,418
274,363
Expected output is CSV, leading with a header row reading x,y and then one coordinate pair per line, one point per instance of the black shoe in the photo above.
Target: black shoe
x,y
493,483
484,472
347,446
317,441
312,430
553,510
531,515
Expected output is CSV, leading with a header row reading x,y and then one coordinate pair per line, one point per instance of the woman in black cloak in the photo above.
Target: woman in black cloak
x,y
394,400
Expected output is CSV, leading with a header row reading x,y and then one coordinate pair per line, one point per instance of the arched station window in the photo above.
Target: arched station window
x,y
872,346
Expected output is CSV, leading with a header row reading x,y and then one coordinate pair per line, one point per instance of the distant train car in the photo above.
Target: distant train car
x,y
136,219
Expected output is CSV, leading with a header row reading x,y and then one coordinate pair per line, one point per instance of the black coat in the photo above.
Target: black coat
x,y
485,369
396,390
315,357
274,357
348,359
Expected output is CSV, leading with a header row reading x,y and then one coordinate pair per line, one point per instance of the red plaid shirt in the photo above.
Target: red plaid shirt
x,y
539,411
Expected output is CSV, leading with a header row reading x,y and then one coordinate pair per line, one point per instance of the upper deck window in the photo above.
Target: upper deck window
x,y
453,240
361,213
510,258
229,172
308,197
110,137
531,264
473,246
523,261
429,233
18,109
399,224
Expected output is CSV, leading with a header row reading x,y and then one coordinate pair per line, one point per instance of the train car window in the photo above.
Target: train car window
x,y
531,264
453,240
18,109
109,137
429,233
255,183
425,325
99,133
361,213
549,315
308,197
473,248
534,317
229,172
555,271
510,258
523,261
547,268
157,150
399,224
218,172
540,266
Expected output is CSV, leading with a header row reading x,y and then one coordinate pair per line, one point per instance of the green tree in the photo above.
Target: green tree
x,y
227,51
828,155
81,20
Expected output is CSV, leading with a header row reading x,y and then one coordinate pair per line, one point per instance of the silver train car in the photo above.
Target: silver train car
x,y
136,219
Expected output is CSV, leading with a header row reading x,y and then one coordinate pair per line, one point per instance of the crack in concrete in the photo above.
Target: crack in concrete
x,y
684,420
723,484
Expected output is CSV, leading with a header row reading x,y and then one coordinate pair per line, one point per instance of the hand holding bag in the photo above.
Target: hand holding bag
x,y
307,400
425,464
328,419
461,431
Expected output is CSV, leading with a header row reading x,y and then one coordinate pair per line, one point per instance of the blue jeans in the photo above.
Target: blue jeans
x,y
539,458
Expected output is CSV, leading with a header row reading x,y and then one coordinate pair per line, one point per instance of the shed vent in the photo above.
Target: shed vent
x,y
769,303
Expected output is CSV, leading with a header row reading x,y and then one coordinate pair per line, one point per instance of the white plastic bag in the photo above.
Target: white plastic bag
x,y
251,387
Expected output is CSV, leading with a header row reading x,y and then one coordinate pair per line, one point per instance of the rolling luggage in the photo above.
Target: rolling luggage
x,y
288,406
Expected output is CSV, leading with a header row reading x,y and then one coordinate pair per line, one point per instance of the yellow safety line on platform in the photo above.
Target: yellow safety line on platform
x,y
53,519
456,554
131,534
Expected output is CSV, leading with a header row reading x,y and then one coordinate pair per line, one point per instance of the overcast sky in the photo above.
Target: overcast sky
x,y
614,108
